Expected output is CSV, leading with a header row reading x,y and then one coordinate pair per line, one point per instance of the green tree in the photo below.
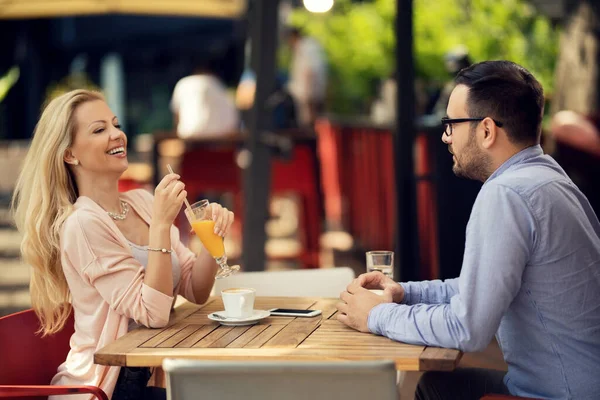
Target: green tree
x,y
359,41
8,81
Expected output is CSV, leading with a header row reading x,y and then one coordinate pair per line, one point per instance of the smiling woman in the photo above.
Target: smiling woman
x,y
113,259
98,135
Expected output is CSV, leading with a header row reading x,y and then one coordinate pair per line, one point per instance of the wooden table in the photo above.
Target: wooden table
x,y
190,334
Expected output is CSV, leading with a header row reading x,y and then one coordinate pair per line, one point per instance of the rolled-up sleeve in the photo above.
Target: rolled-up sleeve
x,y
122,286
107,266
429,292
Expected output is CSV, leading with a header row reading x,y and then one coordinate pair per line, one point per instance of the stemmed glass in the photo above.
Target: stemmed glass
x,y
200,217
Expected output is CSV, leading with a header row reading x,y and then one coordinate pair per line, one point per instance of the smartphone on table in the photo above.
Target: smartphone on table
x,y
289,312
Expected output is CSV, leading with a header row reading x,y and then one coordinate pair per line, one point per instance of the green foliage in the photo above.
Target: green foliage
x,y
8,81
359,41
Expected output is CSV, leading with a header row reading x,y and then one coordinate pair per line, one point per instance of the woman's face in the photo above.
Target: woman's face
x,y
100,146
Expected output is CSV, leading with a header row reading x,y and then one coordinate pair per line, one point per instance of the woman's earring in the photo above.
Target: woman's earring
x,y
75,162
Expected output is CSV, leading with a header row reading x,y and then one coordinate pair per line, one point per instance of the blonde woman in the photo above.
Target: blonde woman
x,y
113,259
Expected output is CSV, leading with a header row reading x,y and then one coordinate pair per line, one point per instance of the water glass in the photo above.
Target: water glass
x,y
382,261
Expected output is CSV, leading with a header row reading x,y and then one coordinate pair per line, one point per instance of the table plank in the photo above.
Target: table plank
x,y
276,320
229,337
438,359
294,333
180,336
335,325
190,334
322,338
200,318
264,336
327,307
213,336
164,335
300,328
406,361
197,335
114,353
246,337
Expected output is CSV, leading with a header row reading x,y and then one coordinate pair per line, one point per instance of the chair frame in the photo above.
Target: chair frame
x,y
26,319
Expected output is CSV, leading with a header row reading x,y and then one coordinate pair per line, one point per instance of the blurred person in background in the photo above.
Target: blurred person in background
x,y
383,109
112,259
580,132
308,76
202,106
280,102
577,149
454,60
531,266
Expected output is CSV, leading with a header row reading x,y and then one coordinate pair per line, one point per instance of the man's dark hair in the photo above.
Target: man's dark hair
x,y
508,93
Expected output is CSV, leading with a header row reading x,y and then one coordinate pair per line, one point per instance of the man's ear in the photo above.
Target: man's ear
x,y
490,133
69,158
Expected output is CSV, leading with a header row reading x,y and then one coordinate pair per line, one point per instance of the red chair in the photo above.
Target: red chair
x,y
28,362
300,176
215,169
206,169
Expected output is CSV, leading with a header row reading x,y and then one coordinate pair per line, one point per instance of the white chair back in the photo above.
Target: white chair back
x,y
329,282
252,380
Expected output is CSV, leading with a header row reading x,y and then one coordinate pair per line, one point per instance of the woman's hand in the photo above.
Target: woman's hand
x,y
223,219
168,198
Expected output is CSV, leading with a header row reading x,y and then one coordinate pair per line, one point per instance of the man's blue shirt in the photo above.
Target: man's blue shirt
x,y
530,276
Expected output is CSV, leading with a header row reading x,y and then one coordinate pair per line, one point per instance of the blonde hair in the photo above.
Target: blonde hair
x,y
42,201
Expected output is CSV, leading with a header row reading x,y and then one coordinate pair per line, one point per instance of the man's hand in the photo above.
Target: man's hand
x,y
377,280
356,303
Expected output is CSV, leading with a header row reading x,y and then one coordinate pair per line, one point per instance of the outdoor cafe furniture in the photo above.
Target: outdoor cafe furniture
x,y
190,334
28,361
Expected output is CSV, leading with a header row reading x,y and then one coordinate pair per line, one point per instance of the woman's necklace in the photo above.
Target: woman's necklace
x,y
122,215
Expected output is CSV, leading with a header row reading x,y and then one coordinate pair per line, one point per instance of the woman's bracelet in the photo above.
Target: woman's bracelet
x,y
160,250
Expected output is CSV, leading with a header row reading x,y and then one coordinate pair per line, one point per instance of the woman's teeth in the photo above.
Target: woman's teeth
x,y
116,151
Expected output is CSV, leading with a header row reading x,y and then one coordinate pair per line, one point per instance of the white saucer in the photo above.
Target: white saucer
x,y
257,315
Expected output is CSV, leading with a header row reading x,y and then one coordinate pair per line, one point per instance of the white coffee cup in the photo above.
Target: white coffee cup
x,y
238,302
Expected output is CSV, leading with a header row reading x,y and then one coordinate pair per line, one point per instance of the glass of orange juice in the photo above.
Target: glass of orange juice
x,y
200,218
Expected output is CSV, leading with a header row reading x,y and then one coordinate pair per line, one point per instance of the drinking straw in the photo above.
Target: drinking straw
x,y
187,203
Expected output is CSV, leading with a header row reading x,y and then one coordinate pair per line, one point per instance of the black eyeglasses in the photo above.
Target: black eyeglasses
x,y
447,123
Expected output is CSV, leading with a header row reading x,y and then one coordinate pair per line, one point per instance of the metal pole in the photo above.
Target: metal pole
x,y
406,248
263,16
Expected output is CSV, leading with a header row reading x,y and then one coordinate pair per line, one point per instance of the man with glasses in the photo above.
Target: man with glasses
x,y
531,266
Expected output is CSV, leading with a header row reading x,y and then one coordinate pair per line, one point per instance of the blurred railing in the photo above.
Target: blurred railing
x,y
358,175
347,169
216,164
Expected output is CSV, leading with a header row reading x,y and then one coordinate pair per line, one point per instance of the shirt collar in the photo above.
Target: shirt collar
x,y
523,155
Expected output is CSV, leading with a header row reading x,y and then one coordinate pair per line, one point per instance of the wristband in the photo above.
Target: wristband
x,y
160,250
